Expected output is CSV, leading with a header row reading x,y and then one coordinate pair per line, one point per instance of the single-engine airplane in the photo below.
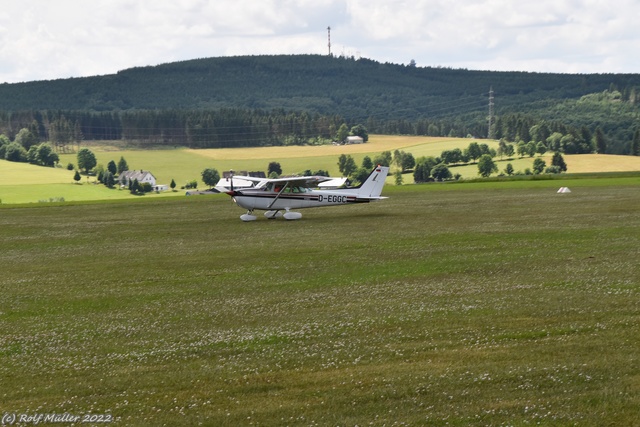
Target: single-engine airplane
x,y
284,194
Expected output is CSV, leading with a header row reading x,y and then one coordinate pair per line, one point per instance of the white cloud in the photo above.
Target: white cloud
x,y
40,39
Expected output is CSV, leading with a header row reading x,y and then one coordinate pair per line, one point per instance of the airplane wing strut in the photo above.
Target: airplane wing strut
x,y
284,187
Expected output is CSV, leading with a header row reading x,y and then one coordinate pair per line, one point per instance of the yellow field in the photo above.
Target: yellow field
x,y
376,144
582,163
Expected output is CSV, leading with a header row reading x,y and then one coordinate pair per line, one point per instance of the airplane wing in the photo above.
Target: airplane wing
x,y
333,183
301,181
241,182
224,184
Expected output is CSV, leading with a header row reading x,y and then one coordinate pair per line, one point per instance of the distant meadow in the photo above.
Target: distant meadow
x,y
24,183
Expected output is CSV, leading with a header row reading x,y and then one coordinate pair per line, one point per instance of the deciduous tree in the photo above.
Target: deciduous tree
x,y
486,165
367,163
343,133
452,156
473,151
553,142
509,150
15,152
521,148
361,175
441,172
86,159
421,172
538,166
508,169
46,156
26,138
383,159
346,165
361,131
408,161
274,167
398,177
210,177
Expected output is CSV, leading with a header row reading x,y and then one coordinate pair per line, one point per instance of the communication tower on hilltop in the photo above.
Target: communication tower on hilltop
x,y
329,38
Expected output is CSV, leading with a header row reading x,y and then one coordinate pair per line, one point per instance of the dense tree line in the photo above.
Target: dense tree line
x,y
244,128
192,128
212,128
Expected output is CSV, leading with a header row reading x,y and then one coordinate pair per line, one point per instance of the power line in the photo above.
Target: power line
x,y
491,131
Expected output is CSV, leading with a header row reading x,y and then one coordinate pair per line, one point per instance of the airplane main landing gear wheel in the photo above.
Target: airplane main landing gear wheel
x,y
292,215
248,216
273,214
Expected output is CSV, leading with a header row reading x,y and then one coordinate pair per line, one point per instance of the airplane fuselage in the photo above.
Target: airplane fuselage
x,y
266,200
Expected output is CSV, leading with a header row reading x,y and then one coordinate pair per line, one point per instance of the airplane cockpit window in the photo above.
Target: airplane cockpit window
x,y
277,187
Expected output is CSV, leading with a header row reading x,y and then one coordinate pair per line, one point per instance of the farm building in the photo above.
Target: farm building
x,y
140,175
355,140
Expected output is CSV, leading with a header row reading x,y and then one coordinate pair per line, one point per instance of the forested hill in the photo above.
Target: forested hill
x,y
354,89
175,102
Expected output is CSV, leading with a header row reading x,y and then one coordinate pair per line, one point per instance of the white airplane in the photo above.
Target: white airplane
x,y
284,194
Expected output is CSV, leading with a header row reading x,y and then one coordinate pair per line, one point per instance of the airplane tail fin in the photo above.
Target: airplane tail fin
x,y
371,188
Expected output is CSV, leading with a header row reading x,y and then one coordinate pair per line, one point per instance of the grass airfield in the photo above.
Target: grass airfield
x,y
467,304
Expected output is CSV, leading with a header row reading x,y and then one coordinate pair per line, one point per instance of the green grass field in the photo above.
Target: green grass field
x,y
23,183
18,181
464,304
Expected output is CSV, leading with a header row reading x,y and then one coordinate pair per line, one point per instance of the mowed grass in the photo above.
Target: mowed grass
x,y
464,304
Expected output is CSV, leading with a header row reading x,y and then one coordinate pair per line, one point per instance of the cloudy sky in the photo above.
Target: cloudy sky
x,y
44,39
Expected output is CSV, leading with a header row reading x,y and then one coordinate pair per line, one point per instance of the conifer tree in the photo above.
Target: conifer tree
x,y
558,161
635,144
111,167
135,187
600,142
122,165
